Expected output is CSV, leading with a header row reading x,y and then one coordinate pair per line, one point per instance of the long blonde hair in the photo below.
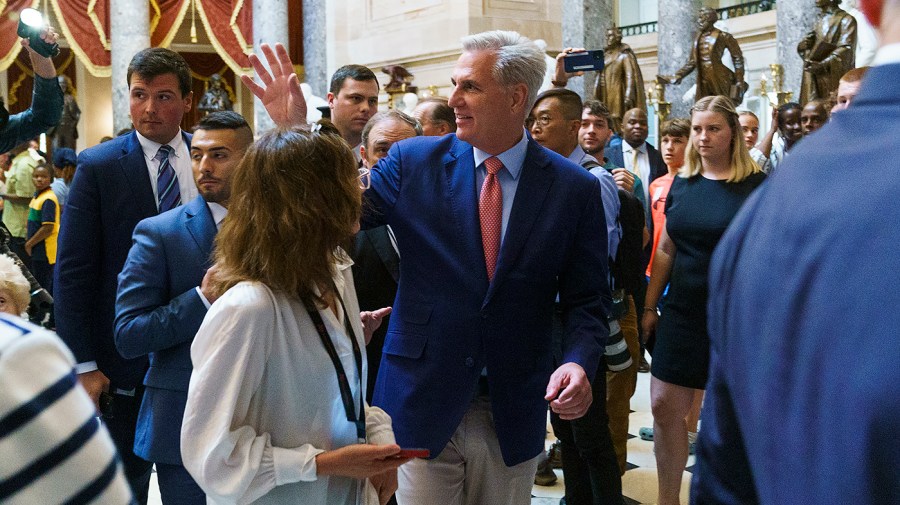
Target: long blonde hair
x,y
742,165
295,200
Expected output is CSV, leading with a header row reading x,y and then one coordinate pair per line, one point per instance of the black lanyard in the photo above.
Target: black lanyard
x,y
343,383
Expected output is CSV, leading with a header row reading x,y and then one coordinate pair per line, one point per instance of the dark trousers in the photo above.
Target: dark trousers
x,y
177,487
17,246
43,273
589,464
121,425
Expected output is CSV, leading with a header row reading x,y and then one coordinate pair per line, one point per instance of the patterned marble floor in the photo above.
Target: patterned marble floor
x,y
639,482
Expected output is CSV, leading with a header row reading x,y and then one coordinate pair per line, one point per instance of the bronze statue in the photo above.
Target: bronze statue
x,y
713,77
216,98
828,51
401,80
65,133
620,86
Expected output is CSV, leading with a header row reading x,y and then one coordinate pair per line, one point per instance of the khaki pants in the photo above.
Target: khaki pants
x,y
620,386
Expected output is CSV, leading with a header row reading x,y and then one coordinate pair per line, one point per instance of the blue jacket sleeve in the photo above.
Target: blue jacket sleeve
x,y
78,268
44,113
147,318
584,290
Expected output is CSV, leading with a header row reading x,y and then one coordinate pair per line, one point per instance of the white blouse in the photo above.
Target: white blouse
x,y
264,399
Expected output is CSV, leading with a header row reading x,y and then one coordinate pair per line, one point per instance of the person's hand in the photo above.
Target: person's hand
x,y
575,398
280,91
28,248
94,382
385,484
648,324
624,179
359,461
371,321
42,65
205,286
560,75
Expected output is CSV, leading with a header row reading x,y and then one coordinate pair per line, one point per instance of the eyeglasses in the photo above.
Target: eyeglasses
x,y
365,178
542,120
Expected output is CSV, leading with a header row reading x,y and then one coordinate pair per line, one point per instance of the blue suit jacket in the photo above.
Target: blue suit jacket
x,y
158,312
110,194
449,322
657,164
803,401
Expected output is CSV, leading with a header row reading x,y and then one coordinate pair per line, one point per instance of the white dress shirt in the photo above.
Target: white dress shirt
x,y
264,399
643,165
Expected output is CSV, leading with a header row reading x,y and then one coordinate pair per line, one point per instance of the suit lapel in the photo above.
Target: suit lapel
x,y
381,242
531,192
201,226
459,167
134,167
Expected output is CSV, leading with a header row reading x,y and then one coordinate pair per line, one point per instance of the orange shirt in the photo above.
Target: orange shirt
x,y
659,189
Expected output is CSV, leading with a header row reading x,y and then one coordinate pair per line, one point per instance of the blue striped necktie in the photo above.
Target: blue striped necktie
x,y
166,181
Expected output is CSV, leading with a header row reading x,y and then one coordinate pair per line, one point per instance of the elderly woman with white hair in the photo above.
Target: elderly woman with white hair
x,y
14,288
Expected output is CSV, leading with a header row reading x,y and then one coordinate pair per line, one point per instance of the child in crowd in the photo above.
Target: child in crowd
x,y
43,228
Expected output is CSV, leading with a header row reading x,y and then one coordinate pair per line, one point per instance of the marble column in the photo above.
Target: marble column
x,y
584,24
270,25
129,32
677,28
315,47
794,20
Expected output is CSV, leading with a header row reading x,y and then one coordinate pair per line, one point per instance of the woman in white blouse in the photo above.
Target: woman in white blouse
x,y
275,411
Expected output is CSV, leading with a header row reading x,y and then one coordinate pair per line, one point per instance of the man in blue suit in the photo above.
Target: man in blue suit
x,y
803,402
162,298
116,185
491,227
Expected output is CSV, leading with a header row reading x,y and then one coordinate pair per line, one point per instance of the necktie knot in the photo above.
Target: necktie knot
x,y
163,153
493,165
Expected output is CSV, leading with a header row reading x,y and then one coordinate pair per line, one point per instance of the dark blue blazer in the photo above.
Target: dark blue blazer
x,y
657,164
158,312
110,194
449,322
803,400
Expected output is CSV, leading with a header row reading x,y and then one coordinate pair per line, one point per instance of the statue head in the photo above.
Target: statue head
x,y
707,18
613,37
215,81
64,84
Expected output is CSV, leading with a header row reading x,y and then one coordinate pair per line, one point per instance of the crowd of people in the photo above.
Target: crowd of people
x,y
381,307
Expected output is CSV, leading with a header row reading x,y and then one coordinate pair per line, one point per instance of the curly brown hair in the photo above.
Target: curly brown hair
x,y
295,200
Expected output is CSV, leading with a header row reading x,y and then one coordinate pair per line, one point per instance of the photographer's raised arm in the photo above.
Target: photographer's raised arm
x,y
46,101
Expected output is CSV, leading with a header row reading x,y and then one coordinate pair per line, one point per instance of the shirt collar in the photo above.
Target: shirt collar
x,y
218,213
578,156
151,147
513,158
887,54
626,147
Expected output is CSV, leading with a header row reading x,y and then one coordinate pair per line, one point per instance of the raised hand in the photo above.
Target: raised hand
x,y
280,91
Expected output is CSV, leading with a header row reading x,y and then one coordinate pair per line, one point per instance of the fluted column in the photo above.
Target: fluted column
x,y
270,25
794,20
677,28
129,27
315,46
584,25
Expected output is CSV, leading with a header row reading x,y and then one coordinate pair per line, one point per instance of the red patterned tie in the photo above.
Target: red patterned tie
x,y
490,210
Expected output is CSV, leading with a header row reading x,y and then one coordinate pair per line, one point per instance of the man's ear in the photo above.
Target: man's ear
x,y
362,155
330,98
519,94
444,128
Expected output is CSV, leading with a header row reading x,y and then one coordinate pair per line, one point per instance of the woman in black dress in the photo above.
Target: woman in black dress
x,y
717,177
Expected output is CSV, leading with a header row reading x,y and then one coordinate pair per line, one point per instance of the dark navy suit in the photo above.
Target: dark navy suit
x,y
110,194
158,312
449,322
803,401
657,164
